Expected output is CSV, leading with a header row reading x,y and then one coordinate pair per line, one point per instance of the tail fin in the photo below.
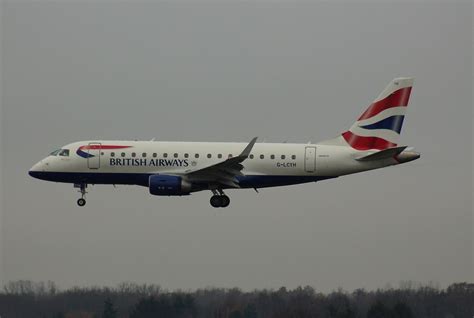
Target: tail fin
x,y
380,125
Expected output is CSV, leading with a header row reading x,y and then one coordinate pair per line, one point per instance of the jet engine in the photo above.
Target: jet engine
x,y
168,185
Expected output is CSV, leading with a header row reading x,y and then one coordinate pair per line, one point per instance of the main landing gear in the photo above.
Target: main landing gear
x,y
82,189
219,199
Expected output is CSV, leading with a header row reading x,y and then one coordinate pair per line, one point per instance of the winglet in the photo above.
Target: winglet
x,y
249,147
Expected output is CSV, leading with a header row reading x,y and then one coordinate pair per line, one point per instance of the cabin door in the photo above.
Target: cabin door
x,y
93,158
310,159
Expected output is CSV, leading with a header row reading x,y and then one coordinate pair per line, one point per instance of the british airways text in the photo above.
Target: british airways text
x,y
149,162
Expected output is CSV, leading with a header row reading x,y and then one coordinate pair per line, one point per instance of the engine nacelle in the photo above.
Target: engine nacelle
x,y
168,185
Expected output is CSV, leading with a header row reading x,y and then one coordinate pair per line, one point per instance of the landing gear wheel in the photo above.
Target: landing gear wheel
x,y
225,201
216,201
82,190
81,202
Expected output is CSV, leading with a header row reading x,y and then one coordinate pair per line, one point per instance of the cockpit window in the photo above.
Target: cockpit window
x,y
60,152
64,153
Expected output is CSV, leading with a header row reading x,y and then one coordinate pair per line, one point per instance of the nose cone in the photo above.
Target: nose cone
x,y
37,170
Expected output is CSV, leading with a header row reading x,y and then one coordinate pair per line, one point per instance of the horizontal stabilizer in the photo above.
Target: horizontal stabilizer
x,y
383,154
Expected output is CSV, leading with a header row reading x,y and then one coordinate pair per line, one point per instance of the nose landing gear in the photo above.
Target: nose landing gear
x,y
219,199
82,189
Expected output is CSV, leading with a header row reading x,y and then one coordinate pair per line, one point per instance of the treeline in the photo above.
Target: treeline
x,y
25,299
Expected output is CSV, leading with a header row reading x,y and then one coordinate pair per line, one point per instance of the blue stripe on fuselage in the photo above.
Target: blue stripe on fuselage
x,y
93,178
249,181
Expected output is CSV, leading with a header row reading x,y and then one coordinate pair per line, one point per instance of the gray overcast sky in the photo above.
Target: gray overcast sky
x,y
215,71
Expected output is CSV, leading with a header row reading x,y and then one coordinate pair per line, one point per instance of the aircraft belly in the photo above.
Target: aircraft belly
x,y
263,181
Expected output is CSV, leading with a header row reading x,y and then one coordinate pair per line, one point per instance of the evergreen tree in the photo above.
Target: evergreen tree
x,y
379,310
146,308
109,309
152,307
235,314
250,311
401,310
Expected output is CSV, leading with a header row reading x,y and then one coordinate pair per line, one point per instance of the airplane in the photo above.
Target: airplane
x,y
181,168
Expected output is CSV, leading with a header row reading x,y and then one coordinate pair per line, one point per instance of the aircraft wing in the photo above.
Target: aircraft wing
x,y
223,173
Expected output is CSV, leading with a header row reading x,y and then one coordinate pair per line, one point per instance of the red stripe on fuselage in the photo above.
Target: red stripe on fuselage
x,y
104,147
366,143
397,98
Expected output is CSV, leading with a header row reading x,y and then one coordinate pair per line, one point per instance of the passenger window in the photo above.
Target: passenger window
x,y
175,155
219,156
186,155
155,154
102,153
112,154
123,154
133,154
293,157
262,156
251,156
272,157
196,155
144,154
165,155
283,157
209,155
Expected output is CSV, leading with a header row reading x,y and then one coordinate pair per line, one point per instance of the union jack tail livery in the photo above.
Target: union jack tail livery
x,y
379,127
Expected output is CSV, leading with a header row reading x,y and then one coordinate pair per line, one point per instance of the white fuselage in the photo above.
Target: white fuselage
x,y
269,164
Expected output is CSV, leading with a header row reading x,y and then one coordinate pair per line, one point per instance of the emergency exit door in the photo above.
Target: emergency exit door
x,y
93,158
310,159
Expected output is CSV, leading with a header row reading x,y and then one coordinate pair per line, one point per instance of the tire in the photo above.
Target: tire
x,y
81,202
216,201
225,201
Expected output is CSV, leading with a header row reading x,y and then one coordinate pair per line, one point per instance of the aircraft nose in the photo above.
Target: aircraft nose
x,y
36,170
